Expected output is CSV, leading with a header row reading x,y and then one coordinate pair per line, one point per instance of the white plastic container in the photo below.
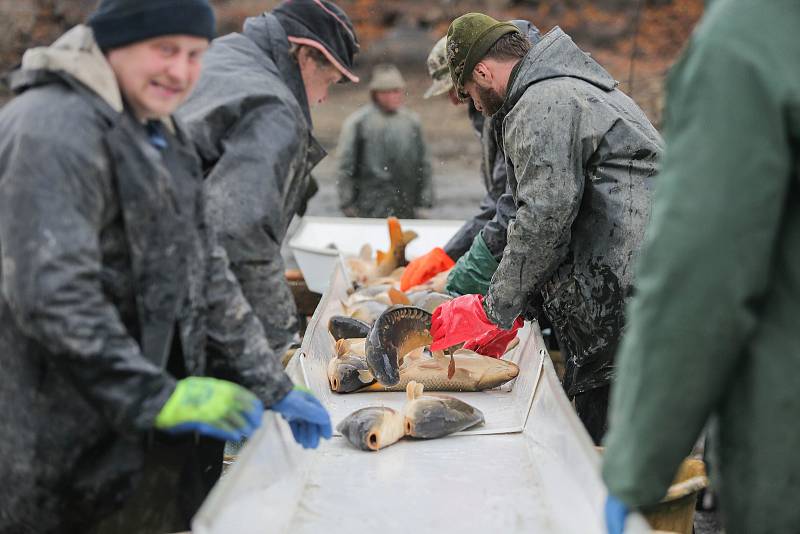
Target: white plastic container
x,y
319,242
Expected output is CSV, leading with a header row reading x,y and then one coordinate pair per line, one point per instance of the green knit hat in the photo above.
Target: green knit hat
x,y
469,37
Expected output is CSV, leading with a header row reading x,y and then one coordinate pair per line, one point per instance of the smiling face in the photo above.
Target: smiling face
x,y
156,76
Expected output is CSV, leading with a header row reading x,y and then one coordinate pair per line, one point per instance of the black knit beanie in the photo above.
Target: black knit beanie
x,y
119,23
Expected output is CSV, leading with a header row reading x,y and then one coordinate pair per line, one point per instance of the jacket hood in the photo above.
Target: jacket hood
x,y
76,54
270,37
556,56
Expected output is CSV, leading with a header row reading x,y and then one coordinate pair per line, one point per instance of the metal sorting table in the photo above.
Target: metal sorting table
x,y
531,468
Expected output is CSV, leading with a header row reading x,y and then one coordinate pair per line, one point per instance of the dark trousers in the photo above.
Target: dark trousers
x,y
178,474
592,408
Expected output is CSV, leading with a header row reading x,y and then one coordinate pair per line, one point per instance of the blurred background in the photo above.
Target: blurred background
x,y
636,40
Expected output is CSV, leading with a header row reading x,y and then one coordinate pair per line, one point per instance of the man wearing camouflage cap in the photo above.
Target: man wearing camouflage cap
x,y
483,237
580,157
384,168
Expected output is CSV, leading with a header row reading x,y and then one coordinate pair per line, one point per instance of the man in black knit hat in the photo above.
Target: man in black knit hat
x,y
251,124
111,288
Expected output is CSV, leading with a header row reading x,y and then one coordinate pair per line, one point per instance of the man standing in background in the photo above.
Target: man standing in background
x,y
384,169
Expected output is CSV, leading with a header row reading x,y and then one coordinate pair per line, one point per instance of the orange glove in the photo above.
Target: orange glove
x,y
425,267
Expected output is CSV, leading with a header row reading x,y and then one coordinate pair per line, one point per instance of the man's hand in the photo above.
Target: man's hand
x,y
424,268
211,407
306,416
459,320
616,512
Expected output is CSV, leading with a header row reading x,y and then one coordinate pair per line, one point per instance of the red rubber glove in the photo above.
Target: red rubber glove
x,y
425,267
494,342
459,320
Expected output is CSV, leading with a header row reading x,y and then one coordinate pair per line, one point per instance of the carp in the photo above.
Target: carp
x,y
372,428
366,310
474,372
395,333
347,371
385,269
342,327
434,416
423,416
428,300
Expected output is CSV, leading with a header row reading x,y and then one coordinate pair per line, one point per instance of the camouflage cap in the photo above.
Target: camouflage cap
x,y
469,37
439,69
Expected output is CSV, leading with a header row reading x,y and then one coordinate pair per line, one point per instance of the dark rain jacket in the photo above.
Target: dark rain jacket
x,y
384,168
104,255
713,328
250,121
580,156
497,208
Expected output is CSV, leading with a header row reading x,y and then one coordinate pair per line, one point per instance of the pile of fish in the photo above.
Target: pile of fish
x,y
383,334
423,416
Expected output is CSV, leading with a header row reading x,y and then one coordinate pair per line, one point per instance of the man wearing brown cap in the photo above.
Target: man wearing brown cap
x,y
580,157
384,168
251,123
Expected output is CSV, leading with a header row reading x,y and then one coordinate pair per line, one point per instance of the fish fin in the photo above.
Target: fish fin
x,y
451,369
366,252
438,354
398,297
365,376
409,236
380,256
414,390
341,347
395,233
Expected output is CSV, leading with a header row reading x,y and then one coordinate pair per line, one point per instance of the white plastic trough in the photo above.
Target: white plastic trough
x,y
542,478
311,243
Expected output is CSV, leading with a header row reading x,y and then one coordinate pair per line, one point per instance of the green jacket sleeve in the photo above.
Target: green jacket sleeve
x,y
706,261
473,271
347,151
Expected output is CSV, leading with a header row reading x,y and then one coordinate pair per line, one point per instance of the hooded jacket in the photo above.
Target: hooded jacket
x,y
250,122
106,269
580,157
713,334
497,208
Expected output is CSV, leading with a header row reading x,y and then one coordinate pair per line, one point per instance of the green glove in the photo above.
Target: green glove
x,y
214,408
473,271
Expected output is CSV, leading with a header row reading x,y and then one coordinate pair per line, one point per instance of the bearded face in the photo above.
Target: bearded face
x,y
486,100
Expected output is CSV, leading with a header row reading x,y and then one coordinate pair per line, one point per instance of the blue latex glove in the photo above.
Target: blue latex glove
x,y
616,512
306,416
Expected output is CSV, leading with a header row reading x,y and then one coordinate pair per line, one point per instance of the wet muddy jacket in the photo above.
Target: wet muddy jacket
x,y
384,168
713,328
580,156
250,121
497,208
106,266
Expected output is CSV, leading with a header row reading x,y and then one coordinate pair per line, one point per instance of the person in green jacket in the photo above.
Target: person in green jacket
x,y
713,329
384,168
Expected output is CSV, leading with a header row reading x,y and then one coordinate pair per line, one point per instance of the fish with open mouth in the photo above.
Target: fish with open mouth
x,y
347,371
424,416
395,333
373,428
